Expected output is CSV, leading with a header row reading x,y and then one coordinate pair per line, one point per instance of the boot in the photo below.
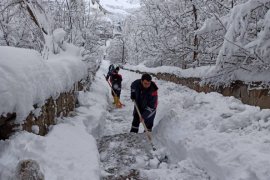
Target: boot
x,y
134,129
118,103
114,100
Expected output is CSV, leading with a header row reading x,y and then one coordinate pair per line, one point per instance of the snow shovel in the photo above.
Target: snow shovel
x,y
148,134
120,104
149,137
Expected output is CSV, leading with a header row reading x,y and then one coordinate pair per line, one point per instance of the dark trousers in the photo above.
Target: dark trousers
x,y
136,123
117,92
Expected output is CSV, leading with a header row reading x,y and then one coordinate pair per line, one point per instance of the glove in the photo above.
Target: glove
x,y
107,78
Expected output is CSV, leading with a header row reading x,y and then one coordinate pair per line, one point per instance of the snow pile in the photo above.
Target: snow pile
x,y
220,135
27,79
191,72
59,35
206,72
239,74
67,152
93,104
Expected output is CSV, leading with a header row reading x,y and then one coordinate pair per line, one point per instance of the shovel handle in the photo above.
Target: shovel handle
x,y
112,89
145,128
110,85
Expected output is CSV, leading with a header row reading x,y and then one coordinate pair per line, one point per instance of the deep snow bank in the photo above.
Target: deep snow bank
x,y
199,72
27,79
69,150
226,138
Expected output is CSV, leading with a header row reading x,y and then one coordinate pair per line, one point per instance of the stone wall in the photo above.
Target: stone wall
x,y
255,95
60,107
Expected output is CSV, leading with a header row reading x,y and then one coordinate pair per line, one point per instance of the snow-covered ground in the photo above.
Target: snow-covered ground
x,y
227,139
207,72
206,136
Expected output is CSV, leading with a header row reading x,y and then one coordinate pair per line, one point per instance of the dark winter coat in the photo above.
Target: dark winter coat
x,y
116,81
146,99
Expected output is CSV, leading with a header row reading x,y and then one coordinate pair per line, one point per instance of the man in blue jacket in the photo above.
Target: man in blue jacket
x,y
144,93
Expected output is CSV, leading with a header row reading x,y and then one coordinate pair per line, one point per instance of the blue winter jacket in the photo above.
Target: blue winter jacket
x,y
146,99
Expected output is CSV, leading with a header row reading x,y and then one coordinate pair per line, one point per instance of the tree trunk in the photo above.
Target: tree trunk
x,y
196,40
123,52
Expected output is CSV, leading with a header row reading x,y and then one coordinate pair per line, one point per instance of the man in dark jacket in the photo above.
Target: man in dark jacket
x,y
116,81
144,93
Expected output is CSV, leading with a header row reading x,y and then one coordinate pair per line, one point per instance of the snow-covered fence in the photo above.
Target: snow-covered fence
x,y
256,94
